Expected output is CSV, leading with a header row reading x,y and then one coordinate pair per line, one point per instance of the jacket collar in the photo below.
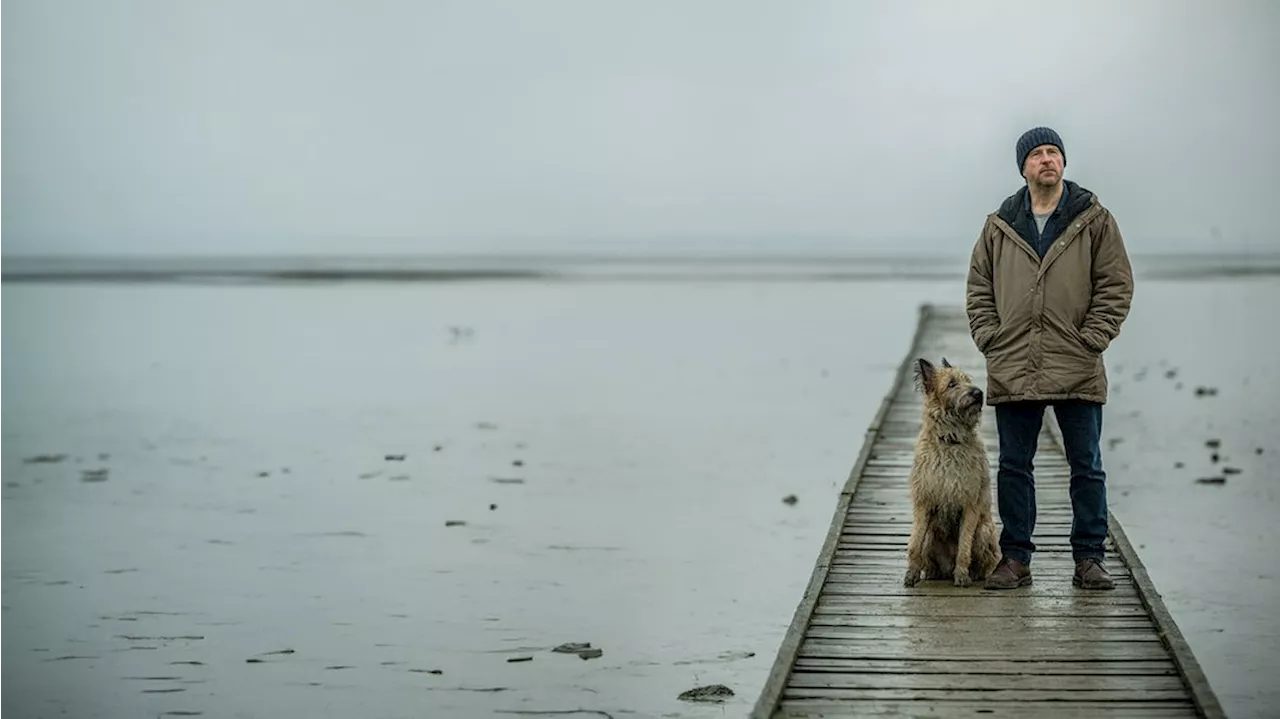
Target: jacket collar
x,y
1076,208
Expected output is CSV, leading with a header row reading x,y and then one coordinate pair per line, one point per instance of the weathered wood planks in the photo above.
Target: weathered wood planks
x,y
861,644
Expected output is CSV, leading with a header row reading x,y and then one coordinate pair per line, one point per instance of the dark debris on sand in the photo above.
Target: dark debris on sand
x,y
584,650
45,459
711,693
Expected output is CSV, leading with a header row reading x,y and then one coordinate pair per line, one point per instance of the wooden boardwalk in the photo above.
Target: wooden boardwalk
x,y
861,644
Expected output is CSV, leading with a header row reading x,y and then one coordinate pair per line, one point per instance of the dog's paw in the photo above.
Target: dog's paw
x,y
962,578
911,579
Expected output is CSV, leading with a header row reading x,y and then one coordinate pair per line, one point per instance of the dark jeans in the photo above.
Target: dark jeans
x,y
1018,424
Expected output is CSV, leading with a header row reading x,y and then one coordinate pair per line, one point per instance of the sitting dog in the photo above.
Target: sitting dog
x,y
952,531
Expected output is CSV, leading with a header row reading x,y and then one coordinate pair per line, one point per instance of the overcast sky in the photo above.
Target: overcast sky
x,y
298,127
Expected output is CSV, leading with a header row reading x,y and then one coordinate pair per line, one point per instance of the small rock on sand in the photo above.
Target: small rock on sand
x,y
492,507
1206,391
1178,465
1231,470
1213,443
394,457
790,499
572,647
513,660
712,693
584,650
1211,480
517,463
1214,457
454,523
1258,450
93,475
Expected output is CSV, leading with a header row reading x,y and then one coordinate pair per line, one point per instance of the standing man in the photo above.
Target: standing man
x,y
1049,286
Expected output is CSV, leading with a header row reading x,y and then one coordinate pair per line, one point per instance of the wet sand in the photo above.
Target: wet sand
x,y
616,455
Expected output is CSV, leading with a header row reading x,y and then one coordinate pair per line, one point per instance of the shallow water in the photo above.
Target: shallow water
x,y
249,508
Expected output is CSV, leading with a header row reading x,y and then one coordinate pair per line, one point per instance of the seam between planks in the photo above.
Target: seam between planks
x,y
784,662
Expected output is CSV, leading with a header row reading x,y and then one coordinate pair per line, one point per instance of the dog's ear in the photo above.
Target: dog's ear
x,y
924,375
945,363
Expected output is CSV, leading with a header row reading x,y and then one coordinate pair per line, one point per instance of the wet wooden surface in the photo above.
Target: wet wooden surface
x,y
861,644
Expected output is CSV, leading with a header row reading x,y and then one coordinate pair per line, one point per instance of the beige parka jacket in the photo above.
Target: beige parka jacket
x,y
1043,324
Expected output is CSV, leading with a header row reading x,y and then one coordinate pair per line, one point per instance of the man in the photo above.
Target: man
x,y
1049,286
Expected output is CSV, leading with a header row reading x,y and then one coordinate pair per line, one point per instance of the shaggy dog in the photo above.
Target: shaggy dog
x,y
952,532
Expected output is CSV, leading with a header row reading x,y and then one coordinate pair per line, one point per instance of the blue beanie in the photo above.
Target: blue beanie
x,y
1035,137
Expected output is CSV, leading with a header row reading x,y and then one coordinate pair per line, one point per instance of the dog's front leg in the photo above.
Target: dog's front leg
x,y
915,557
964,552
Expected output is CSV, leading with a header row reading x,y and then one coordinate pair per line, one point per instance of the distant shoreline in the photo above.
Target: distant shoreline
x,y
565,268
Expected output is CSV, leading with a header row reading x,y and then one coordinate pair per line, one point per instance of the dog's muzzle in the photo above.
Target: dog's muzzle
x,y
976,395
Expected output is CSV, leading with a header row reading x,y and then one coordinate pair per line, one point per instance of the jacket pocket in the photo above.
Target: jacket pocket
x,y
1078,336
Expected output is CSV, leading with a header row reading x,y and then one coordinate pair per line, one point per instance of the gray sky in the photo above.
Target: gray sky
x,y
297,127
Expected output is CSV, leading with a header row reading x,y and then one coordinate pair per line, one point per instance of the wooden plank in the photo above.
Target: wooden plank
x,y
945,589
984,623
996,695
776,682
1028,651
991,682
1051,559
959,634
890,585
996,666
1041,555
813,708
984,605
882,574
1041,551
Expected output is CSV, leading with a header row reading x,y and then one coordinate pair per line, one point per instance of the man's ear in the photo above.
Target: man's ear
x,y
924,375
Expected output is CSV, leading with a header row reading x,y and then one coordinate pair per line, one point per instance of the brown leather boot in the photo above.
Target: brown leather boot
x,y
1009,574
1090,574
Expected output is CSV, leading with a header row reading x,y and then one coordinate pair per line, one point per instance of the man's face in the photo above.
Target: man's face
x,y
1043,166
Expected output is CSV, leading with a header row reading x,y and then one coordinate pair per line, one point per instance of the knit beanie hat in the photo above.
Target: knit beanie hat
x,y
1035,137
